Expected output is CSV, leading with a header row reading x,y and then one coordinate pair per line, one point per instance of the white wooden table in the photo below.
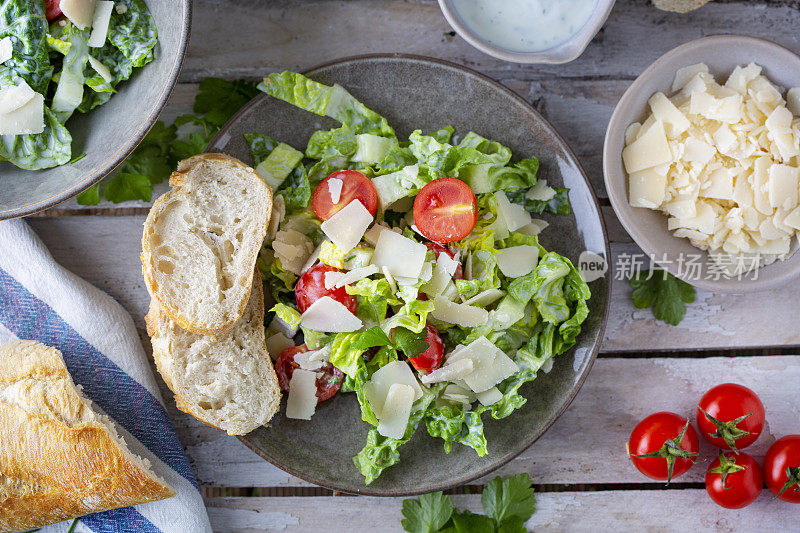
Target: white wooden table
x,y
583,477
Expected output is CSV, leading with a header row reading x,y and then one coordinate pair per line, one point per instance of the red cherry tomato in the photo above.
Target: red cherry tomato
x,y
734,481
782,468
311,287
429,360
656,439
52,9
329,378
355,186
437,249
734,416
445,210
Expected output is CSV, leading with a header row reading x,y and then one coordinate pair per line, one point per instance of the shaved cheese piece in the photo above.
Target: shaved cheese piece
x,y
277,343
312,259
80,12
101,69
792,98
697,151
780,120
685,74
540,191
449,372
278,214
491,365
302,400
28,119
355,275
720,185
304,359
346,227
760,185
388,275
741,76
400,255
292,248
427,271
466,316
329,316
793,219
646,188
458,394
15,96
100,22
487,297
517,261
6,49
513,216
535,227
372,234
406,281
783,185
396,411
278,324
448,263
674,121
332,278
335,189
377,388
492,396
647,151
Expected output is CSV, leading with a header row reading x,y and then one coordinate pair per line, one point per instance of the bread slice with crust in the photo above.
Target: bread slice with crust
x,y
59,458
201,240
225,381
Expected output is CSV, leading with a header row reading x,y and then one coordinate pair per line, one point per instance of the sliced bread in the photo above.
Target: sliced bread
x,y
201,240
225,381
60,458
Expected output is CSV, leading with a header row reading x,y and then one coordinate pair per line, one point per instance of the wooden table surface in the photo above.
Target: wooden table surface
x,y
583,477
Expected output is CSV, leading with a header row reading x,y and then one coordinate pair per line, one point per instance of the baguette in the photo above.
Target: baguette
x,y
226,381
59,458
201,240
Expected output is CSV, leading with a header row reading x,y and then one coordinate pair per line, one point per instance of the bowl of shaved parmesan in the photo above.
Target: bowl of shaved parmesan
x,y
702,163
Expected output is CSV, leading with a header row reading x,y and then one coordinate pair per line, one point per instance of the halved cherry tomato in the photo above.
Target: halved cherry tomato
x,y
329,378
734,481
445,210
663,446
782,468
429,360
311,287
437,249
730,416
355,186
52,9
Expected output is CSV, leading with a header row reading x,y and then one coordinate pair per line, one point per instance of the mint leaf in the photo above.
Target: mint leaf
x,y
510,498
427,514
410,343
665,293
371,338
90,196
124,187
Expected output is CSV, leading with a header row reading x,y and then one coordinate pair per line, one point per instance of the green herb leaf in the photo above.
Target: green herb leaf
x,y
90,196
427,514
664,292
410,343
125,187
510,498
468,522
371,338
220,99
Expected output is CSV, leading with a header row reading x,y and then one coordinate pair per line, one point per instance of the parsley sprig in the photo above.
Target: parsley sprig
x,y
508,504
662,291
153,160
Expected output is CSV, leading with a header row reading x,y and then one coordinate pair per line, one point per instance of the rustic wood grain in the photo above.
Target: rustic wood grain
x,y
684,511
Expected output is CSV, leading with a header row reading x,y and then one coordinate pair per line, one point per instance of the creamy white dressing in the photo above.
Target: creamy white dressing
x,y
525,25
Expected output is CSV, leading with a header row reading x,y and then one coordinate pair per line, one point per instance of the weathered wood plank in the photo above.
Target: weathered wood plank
x,y
105,250
664,511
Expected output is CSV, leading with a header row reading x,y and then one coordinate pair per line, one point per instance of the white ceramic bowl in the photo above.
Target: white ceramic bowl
x,y
722,53
563,53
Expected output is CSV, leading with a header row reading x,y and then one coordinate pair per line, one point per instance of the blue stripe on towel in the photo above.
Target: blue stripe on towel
x,y
122,398
124,520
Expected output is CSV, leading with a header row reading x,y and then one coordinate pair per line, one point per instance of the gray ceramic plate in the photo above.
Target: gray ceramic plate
x,y
414,92
109,133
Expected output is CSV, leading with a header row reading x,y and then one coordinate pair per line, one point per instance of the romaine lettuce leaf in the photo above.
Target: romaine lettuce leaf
x,y
48,149
69,92
455,423
261,145
25,23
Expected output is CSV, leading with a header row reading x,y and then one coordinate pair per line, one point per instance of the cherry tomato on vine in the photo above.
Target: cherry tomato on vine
x,y
663,446
782,468
429,360
52,9
445,210
437,248
329,378
311,287
730,416
734,480
354,186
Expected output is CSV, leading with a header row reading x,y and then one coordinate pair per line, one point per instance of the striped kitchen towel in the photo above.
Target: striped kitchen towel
x,y
40,300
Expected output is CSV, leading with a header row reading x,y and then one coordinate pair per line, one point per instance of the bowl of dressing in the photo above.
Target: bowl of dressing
x,y
528,31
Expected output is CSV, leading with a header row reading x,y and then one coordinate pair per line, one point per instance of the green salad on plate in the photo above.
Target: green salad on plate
x,y
413,270
59,57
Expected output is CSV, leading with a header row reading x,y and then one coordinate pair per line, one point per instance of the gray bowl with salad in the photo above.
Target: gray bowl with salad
x,y
81,83
427,318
